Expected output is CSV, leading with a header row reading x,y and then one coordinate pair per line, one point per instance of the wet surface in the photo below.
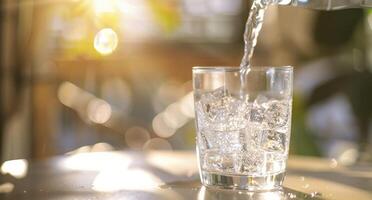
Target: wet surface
x,y
170,175
211,193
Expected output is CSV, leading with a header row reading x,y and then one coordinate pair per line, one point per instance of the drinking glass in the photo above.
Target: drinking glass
x,y
243,125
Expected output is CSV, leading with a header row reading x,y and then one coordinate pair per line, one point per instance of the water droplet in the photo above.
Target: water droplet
x,y
315,194
291,195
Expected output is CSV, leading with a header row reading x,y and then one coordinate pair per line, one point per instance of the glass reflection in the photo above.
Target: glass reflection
x,y
206,193
280,194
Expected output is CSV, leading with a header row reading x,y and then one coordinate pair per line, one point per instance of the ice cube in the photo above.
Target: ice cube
x,y
257,113
278,113
261,100
275,162
227,163
225,141
254,137
274,141
217,110
252,162
215,97
200,117
219,162
220,111
246,108
212,161
219,93
216,103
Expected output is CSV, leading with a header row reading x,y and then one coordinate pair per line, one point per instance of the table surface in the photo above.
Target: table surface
x,y
173,175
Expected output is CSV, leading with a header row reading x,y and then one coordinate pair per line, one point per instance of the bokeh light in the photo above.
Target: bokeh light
x,y
166,123
176,163
117,178
131,7
157,144
173,116
333,163
118,93
99,111
167,93
6,187
89,107
136,137
231,7
161,128
16,168
83,149
67,93
344,152
196,8
104,6
96,161
187,105
101,147
348,157
106,41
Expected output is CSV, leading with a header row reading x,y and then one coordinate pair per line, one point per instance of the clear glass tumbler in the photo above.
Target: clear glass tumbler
x,y
243,132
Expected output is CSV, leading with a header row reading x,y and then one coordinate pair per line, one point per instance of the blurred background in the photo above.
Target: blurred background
x,y
100,75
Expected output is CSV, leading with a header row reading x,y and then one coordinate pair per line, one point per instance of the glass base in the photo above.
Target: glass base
x,y
251,183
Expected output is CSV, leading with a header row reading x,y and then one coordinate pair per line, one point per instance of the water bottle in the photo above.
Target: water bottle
x,y
325,4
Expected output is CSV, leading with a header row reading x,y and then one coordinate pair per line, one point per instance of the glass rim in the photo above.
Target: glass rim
x,y
235,68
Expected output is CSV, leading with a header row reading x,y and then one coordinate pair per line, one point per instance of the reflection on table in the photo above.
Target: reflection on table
x,y
168,175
